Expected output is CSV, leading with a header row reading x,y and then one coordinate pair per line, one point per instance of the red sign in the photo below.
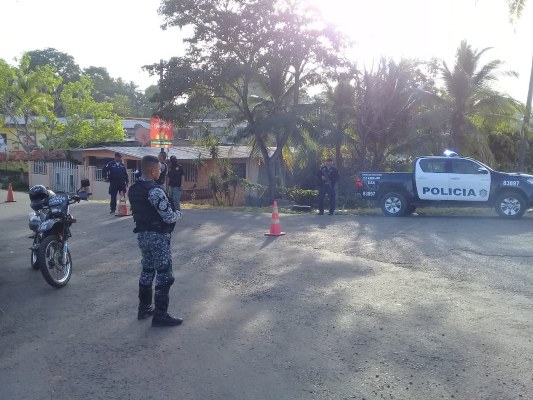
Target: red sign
x,y
161,133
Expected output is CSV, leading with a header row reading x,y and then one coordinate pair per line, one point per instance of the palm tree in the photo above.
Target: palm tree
x,y
469,99
515,9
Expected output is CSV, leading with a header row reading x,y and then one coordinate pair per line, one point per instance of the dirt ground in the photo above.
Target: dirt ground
x,y
341,307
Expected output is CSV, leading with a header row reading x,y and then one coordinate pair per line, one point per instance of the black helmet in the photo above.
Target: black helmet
x,y
39,197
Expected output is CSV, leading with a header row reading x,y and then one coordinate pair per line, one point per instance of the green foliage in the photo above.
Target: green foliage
x,y
33,98
121,104
127,100
62,63
25,94
277,52
254,189
468,99
304,197
216,184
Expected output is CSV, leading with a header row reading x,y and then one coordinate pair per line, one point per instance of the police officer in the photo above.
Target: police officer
x,y
162,156
175,179
115,173
154,218
328,175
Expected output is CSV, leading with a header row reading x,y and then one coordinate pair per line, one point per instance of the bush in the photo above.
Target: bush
x,y
303,197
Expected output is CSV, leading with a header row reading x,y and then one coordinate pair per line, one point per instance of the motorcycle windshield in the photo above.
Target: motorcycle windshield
x,y
58,203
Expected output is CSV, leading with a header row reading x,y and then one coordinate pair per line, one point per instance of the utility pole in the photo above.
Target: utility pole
x,y
161,90
525,124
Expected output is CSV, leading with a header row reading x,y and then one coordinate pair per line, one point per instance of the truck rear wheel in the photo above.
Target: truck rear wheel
x,y
510,205
394,204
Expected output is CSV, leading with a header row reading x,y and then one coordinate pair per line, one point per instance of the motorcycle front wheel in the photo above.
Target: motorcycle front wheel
x,y
34,261
49,258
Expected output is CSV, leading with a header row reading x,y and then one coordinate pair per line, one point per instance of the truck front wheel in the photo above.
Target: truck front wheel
x,y
510,205
394,204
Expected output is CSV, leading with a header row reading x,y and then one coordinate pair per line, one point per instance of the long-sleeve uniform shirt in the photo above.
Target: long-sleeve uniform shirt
x,y
158,198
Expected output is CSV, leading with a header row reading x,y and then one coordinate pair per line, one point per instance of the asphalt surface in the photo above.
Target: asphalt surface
x,y
341,307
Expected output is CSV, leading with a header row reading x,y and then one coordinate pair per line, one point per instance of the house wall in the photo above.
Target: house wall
x,y
8,142
40,173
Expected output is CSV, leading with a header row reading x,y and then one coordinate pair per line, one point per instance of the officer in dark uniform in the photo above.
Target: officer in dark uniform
x,y
328,175
115,173
154,217
162,156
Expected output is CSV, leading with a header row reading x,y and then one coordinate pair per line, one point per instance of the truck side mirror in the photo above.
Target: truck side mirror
x,y
482,171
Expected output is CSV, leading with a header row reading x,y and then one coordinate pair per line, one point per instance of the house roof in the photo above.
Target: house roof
x,y
126,123
181,152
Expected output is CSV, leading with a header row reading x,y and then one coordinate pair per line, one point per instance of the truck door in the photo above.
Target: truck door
x,y
469,181
432,177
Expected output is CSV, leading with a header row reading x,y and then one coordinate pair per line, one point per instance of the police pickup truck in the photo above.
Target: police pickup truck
x,y
450,181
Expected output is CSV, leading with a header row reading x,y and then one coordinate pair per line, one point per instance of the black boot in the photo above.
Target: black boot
x,y
161,317
165,320
145,302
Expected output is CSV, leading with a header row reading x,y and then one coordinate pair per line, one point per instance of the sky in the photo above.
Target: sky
x,y
124,35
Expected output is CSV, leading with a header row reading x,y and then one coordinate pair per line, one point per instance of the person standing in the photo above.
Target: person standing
x,y
175,179
329,176
162,156
115,173
154,218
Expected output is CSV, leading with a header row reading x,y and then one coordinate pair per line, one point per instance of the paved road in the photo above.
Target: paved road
x,y
341,307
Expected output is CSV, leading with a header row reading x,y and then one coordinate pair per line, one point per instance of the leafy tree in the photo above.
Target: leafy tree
x,y
62,63
467,99
127,100
121,105
278,47
103,84
386,104
26,94
88,121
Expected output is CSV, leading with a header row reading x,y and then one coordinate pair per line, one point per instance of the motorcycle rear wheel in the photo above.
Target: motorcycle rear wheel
x,y
49,258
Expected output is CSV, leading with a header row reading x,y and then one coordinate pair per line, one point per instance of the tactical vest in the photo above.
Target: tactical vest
x,y
146,217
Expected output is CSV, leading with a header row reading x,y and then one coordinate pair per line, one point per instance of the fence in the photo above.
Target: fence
x,y
63,176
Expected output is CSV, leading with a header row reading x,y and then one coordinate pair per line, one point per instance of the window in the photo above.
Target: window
x,y
40,168
239,169
190,172
465,167
436,165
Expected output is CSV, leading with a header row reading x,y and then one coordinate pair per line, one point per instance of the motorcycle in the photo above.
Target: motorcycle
x,y
51,222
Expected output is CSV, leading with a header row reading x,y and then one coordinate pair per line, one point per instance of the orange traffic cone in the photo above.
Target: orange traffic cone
x,y
10,196
122,210
275,227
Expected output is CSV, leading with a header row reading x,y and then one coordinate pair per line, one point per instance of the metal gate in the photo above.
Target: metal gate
x,y
64,177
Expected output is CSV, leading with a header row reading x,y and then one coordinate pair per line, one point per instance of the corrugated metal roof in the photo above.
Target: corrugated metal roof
x,y
181,152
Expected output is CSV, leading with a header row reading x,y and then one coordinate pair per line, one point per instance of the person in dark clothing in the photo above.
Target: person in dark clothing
x,y
154,218
175,179
328,175
115,173
162,156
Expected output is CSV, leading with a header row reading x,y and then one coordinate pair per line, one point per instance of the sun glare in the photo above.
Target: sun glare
x,y
432,28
